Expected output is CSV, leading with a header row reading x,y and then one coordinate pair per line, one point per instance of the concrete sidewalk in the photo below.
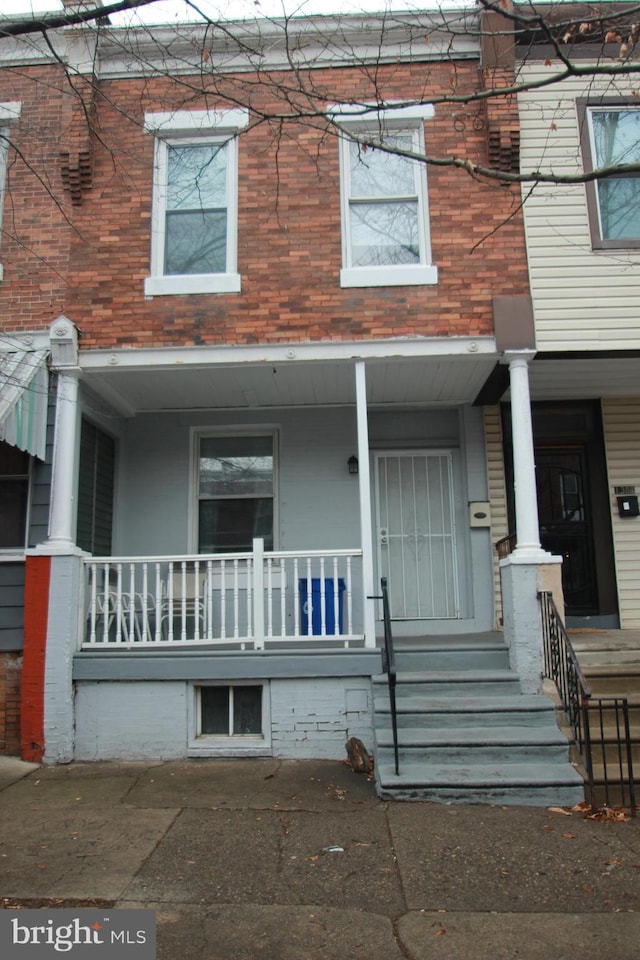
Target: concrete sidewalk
x,y
283,860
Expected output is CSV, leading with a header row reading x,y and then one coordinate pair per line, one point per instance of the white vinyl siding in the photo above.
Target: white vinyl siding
x,y
582,298
622,441
497,494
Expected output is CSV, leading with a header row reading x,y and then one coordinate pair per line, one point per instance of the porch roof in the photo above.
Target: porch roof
x,y
412,372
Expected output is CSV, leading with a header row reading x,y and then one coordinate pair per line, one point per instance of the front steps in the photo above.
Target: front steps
x,y
465,732
610,661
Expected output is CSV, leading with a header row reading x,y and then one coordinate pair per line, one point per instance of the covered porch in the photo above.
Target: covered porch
x,y
220,521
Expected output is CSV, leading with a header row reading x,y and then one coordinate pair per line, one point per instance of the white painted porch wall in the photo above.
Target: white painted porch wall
x,y
310,719
317,498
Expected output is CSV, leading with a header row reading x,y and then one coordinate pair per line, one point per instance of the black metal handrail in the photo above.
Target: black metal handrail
x,y
561,665
389,667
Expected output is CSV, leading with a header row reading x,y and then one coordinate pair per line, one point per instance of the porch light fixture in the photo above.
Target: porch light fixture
x,y
352,463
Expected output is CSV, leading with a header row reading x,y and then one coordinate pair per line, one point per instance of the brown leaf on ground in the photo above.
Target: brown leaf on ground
x,y
565,813
609,815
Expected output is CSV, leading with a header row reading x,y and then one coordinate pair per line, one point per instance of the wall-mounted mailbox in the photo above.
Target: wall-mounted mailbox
x,y
628,506
479,513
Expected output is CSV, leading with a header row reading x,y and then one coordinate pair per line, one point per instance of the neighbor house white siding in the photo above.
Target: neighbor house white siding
x,y
622,439
583,300
497,494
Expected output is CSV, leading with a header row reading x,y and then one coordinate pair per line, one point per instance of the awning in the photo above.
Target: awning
x,y
24,392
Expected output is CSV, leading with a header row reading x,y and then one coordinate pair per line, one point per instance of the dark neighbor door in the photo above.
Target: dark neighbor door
x,y
565,523
573,503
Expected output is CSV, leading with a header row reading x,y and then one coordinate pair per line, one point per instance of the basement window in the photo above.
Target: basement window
x,y
233,710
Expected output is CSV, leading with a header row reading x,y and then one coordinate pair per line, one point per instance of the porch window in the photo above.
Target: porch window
x,y
14,496
611,137
231,711
235,492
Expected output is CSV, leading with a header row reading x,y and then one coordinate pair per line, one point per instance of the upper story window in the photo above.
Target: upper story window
x,y
8,111
195,202
611,136
385,216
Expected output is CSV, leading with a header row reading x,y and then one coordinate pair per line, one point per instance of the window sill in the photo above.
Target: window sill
x,y
388,276
194,283
207,746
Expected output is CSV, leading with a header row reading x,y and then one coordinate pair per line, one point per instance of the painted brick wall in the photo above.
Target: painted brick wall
x,y
10,677
310,718
289,244
313,719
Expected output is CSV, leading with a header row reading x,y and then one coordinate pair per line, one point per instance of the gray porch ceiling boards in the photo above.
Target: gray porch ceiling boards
x,y
408,381
583,378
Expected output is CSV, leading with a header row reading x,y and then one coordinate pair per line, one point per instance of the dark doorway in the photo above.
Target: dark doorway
x,y
573,505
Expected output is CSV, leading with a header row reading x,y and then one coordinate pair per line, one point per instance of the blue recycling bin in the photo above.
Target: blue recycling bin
x,y
316,604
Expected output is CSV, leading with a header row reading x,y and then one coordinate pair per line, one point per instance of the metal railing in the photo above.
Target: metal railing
x,y
245,599
389,667
605,750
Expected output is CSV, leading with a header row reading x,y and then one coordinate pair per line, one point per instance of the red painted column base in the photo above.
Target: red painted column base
x,y
36,616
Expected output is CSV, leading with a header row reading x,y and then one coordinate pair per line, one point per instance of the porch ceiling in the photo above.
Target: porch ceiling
x,y
584,378
406,381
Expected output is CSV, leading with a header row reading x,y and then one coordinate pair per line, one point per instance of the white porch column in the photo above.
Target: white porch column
x,y
64,357
525,571
366,527
524,470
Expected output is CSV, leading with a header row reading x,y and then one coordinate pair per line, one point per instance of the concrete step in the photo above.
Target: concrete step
x,y
615,685
461,683
493,656
531,784
472,745
507,710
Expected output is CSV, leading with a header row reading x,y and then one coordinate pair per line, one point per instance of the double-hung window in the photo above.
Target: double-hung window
x,y
9,112
385,218
236,483
195,202
611,137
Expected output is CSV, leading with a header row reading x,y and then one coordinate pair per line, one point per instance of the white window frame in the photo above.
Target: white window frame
x,y
9,111
257,430
372,124
193,128
592,188
210,744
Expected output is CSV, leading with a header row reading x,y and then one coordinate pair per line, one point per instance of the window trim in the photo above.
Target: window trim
x,y
251,430
10,110
584,106
198,127
209,744
400,119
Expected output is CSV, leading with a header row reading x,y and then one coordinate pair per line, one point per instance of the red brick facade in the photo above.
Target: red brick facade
x,y
84,250
10,676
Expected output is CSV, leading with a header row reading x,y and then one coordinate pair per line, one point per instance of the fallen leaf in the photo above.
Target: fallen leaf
x,y
568,836
440,933
565,813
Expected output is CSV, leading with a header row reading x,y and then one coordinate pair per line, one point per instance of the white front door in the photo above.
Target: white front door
x,y
416,533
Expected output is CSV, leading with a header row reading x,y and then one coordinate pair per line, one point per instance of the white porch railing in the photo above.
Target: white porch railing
x,y
245,600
